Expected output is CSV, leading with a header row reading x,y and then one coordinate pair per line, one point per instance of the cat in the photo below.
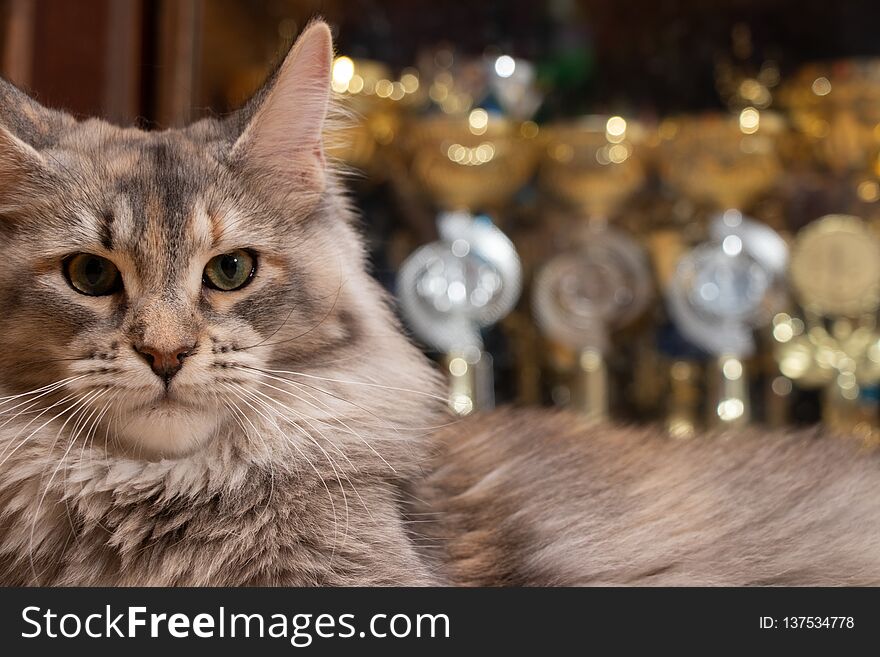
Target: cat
x,y
201,384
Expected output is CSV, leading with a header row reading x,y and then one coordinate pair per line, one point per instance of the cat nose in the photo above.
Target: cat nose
x,y
164,362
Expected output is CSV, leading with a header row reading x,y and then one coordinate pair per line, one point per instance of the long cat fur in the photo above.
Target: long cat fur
x,y
309,453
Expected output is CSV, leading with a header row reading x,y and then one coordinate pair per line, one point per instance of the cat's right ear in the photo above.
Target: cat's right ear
x,y
28,120
20,169
25,126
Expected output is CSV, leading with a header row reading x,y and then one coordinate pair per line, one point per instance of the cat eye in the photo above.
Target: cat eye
x,y
92,275
230,271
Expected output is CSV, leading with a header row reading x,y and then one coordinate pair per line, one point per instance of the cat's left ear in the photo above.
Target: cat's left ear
x,y
283,138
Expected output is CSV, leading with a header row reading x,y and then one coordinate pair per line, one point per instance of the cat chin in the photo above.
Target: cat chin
x,y
168,431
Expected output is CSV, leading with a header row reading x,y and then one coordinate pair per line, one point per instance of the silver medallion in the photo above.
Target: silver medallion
x,y
581,294
759,240
467,280
725,288
715,298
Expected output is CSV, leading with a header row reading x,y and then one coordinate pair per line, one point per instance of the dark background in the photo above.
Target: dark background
x,y
163,61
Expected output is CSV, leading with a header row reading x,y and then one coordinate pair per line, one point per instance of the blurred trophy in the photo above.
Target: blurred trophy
x,y
836,107
602,281
513,84
375,101
722,290
450,289
721,160
471,277
581,295
593,166
455,83
835,273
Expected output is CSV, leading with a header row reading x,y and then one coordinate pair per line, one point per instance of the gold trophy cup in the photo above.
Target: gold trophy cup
x,y
375,102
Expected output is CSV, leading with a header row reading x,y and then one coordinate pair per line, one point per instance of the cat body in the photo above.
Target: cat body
x,y
200,384
529,498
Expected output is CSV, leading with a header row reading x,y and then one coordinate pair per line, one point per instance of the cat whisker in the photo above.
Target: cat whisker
x,y
341,452
385,424
28,408
333,421
84,405
323,451
307,460
90,434
107,427
93,431
342,399
235,411
44,390
352,431
77,399
349,382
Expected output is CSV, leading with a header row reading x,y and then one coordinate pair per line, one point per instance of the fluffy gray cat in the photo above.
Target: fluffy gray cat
x,y
201,385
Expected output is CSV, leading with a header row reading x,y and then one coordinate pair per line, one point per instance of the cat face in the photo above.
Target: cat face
x,y
163,281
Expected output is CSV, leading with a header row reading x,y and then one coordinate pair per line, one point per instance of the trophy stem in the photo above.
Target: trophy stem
x,y
729,393
683,399
840,409
471,383
777,400
591,388
526,346
867,426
